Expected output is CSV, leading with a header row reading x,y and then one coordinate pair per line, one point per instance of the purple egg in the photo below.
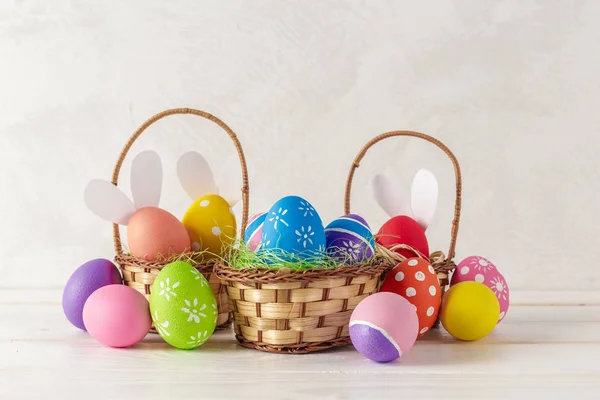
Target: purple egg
x,y
349,239
86,279
374,343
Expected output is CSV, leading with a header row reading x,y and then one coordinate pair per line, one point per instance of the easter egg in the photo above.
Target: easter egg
x,y
183,306
349,239
253,232
211,224
482,270
293,230
470,310
416,280
383,326
117,316
153,233
86,279
403,230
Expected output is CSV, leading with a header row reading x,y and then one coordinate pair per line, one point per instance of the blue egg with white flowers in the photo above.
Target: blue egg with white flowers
x,y
293,231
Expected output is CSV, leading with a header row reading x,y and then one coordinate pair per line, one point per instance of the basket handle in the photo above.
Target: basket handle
x,y
430,139
245,187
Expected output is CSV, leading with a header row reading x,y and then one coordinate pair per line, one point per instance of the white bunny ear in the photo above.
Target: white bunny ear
x,y
230,181
108,202
392,201
424,196
195,175
146,179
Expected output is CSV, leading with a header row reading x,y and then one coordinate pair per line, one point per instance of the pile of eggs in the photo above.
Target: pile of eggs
x,y
182,306
183,309
387,324
292,230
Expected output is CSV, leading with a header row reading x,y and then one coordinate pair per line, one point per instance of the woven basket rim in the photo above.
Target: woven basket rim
x,y
124,260
267,275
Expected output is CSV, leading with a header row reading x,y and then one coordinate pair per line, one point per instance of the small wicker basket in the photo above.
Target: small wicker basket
x,y
284,311
139,273
442,264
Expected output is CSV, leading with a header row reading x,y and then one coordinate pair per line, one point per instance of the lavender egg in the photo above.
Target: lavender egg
x,y
86,279
349,239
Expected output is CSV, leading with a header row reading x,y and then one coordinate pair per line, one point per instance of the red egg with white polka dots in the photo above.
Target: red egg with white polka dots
x,y
416,280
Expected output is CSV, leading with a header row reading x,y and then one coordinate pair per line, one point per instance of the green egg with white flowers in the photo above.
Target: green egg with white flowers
x,y
183,306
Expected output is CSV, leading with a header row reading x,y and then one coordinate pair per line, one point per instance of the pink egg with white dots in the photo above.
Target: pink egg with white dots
x,y
482,270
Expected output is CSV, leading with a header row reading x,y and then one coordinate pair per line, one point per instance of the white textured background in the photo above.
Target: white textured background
x,y
512,87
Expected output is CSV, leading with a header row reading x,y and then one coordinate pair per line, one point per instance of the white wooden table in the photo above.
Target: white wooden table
x,y
548,345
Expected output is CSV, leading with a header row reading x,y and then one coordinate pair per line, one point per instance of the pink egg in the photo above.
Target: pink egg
x,y
117,316
154,233
482,270
384,326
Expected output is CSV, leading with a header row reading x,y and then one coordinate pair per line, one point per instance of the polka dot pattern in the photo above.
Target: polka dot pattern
x,y
416,280
482,270
202,217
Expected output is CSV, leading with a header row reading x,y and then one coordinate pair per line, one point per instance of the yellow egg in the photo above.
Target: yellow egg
x,y
211,225
470,310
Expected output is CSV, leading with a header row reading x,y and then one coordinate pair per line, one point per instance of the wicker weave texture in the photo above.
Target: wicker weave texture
x,y
140,275
297,311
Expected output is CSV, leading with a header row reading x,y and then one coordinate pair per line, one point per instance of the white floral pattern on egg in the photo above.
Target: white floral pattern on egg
x,y
482,270
293,228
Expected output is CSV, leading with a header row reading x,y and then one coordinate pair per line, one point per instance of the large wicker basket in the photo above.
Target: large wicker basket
x,y
442,264
139,273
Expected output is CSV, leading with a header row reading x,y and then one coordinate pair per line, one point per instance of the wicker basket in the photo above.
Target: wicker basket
x,y
442,264
139,273
283,311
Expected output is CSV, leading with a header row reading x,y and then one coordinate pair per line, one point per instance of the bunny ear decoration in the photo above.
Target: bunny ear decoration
x,y
392,201
424,196
108,202
195,175
230,182
146,179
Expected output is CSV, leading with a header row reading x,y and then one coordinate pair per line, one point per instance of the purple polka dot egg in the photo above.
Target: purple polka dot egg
x,y
482,270
349,239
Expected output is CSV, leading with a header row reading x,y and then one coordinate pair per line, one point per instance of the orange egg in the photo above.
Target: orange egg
x,y
416,280
154,233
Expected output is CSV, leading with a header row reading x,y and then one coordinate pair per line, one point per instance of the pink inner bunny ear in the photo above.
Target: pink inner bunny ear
x,y
389,198
424,196
108,202
146,179
195,175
